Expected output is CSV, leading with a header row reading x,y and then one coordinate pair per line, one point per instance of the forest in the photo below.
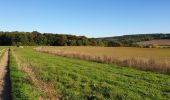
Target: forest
x,y
36,38
50,39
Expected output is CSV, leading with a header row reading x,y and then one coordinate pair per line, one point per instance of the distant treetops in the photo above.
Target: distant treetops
x,y
36,38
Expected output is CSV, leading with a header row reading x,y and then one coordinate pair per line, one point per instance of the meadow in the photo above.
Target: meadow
x,y
149,59
74,79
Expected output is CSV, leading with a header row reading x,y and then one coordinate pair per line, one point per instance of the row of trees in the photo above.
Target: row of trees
x,y
36,38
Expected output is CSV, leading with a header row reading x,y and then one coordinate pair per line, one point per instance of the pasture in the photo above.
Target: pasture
x,y
74,79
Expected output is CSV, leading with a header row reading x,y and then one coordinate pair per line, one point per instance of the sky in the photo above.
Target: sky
x,y
91,18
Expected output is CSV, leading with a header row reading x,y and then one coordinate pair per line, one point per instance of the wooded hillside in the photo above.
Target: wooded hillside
x,y
131,40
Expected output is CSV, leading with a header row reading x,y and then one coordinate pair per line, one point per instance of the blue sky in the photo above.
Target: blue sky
x,y
92,18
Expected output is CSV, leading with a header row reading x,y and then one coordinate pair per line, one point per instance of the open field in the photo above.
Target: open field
x,y
36,75
152,59
73,79
156,42
158,53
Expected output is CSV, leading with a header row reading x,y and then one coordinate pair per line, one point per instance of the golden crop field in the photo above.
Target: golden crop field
x,y
156,53
151,59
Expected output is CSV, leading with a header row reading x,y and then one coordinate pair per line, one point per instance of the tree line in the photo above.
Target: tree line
x,y
35,38
49,39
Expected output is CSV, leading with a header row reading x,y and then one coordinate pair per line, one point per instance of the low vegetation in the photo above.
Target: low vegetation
x,y
140,58
77,79
21,87
2,51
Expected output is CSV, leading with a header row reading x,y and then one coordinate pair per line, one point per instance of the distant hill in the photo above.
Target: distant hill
x,y
138,37
130,40
163,42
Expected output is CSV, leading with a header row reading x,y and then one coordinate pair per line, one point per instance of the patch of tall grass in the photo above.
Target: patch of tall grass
x,y
2,51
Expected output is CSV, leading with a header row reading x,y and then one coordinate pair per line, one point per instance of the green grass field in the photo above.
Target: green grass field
x,y
75,79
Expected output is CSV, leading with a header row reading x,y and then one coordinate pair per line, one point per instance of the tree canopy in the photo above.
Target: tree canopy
x,y
36,38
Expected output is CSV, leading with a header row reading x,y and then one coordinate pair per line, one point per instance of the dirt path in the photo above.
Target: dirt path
x,y
4,78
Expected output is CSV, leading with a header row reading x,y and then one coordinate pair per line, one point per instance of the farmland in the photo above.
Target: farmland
x,y
69,78
157,53
162,42
151,59
37,75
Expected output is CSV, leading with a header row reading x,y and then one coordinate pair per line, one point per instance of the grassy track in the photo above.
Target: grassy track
x,y
78,79
21,87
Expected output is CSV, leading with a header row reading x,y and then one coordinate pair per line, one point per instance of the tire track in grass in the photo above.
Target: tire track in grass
x,y
4,78
47,88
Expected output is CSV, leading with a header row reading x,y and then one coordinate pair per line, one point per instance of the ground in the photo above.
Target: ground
x,y
36,75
